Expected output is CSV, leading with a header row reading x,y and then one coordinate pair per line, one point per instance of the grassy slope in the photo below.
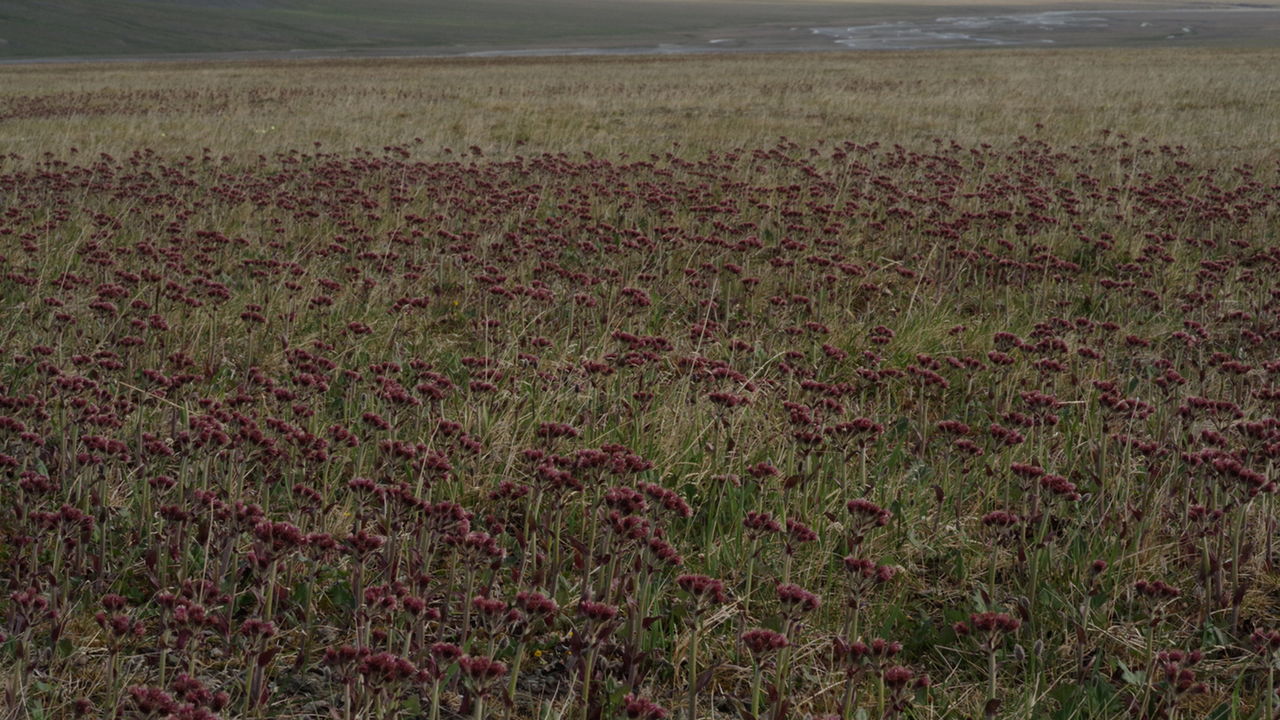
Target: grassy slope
x,y
1223,105
610,105
1210,101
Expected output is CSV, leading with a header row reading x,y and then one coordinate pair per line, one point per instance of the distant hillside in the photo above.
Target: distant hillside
x,y
53,28
31,29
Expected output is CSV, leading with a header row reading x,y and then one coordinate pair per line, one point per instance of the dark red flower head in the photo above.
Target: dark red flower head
x,y
705,590
760,642
643,708
796,600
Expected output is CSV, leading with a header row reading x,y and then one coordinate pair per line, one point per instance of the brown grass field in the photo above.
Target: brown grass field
x,y
1214,100
339,353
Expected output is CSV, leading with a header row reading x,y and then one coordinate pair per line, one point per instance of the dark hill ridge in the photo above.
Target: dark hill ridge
x,y
34,29
53,28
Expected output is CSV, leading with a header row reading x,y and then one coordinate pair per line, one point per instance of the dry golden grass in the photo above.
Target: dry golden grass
x,y
1204,99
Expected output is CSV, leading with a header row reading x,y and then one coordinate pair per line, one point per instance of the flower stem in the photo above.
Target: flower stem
x,y
991,673
755,690
693,670
515,674
880,694
586,683
1150,673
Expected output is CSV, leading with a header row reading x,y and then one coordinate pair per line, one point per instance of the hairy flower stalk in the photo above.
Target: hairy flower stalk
x,y
862,576
756,526
761,644
257,657
1155,595
704,593
480,673
852,656
318,547
796,603
441,658
991,627
1004,525
535,607
598,621
116,626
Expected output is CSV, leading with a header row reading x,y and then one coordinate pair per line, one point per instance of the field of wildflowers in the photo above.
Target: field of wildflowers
x,y
786,430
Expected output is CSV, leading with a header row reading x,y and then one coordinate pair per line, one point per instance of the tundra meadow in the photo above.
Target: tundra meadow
x,y
935,385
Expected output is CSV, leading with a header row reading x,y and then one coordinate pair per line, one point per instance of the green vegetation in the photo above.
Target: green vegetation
x,y
755,387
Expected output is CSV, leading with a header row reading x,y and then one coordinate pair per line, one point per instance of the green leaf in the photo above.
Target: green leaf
x,y
300,593
1222,712
1079,703
340,595
616,694
1062,693
1220,636
1129,676
920,472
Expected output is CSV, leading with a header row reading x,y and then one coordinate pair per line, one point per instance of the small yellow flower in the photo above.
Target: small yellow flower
x,y
537,653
